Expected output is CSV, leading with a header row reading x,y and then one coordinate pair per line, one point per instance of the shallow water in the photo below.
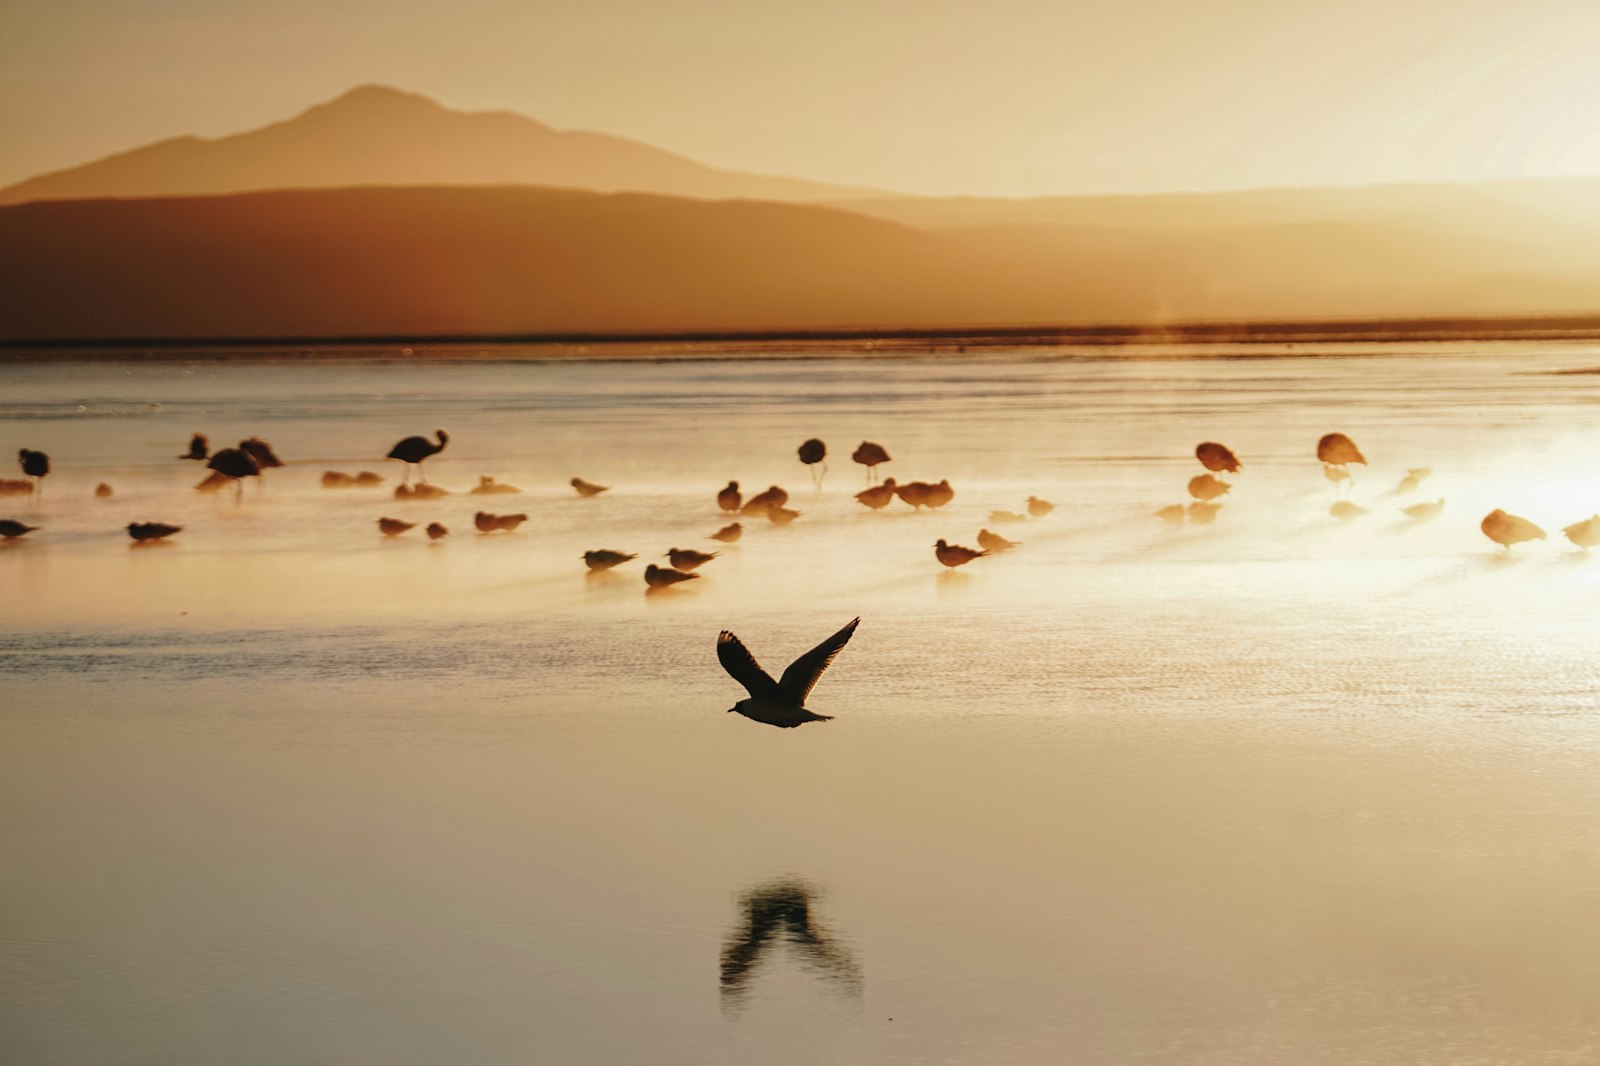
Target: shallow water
x,y
1277,789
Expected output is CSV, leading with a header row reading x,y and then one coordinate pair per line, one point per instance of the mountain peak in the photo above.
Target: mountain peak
x,y
372,99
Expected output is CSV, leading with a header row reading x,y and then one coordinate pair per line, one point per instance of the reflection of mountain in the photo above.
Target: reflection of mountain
x,y
778,914
379,136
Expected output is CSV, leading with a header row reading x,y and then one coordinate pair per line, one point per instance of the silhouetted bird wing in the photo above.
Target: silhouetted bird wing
x,y
803,673
737,660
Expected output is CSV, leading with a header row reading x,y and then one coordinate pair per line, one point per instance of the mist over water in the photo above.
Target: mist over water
x,y
1278,788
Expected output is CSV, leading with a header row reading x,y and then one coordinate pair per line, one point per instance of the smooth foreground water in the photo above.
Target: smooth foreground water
x,y
1280,789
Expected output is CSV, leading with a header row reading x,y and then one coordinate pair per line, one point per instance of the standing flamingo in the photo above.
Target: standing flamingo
x,y
870,455
814,454
413,450
36,465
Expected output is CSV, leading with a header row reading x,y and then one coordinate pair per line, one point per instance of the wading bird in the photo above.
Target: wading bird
x,y
998,517
36,465
688,558
940,494
588,488
729,533
878,496
232,464
393,527
413,450
1507,529
199,448
11,529
994,542
728,498
915,493
605,559
1217,458
489,523
954,554
870,455
779,703
660,577
1344,510
814,454
143,532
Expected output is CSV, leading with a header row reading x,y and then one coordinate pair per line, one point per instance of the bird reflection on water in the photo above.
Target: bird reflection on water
x,y
779,913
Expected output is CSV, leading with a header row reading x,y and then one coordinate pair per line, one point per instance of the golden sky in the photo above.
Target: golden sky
x,y
1010,97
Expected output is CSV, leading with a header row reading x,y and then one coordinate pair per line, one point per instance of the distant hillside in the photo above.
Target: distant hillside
x,y
380,136
507,260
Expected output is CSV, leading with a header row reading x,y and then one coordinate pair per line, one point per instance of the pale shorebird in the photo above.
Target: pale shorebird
x,y
660,577
729,533
335,479
605,559
870,455
994,542
954,554
488,486
780,703
1344,510
230,464
393,527
781,516
1507,529
1208,487
35,465
1203,513
490,523
1217,458
728,498
1006,516
103,491
688,558
143,532
587,488
11,529
914,492
437,530
1173,513
422,491
1413,479
367,479
878,496
1336,474
1039,508
940,494
814,454
1585,534
1423,512
198,448
761,501
413,450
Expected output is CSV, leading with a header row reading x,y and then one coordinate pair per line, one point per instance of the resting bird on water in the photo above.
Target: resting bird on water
x,y
143,532
1207,487
688,558
729,533
660,577
1217,458
780,703
437,530
488,486
728,498
198,447
994,542
489,523
1174,513
1422,512
878,496
955,554
781,516
393,527
103,491
261,452
1039,508
762,501
1507,529
587,488
11,529
230,463
605,559
1585,534
36,465
413,450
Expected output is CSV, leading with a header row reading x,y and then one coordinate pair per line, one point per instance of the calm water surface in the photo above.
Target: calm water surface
x,y
1282,788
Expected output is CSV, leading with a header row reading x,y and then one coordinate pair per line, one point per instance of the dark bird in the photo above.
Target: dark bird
x,y
728,498
393,527
660,577
11,529
878,496
994,542
233,463
940,494
688,558
261,452
1216,458
812,453
1585,534
334,479
199,448
777,916
1039,508
955,554
488,486
437,530
489,523
761,501
36,465
103,491
1507,529
413,450
915,493
870,455
588,488
1336,449
780,703
604,559
781,516
729,533
1207,487
148,531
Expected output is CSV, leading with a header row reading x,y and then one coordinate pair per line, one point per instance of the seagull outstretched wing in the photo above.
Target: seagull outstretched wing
x,y
737,660
802,674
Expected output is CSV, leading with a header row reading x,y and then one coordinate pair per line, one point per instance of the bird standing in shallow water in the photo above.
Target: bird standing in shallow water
x,y
1507,529
588,488
994,542
870,455
36,465
814,454
198,447
780,703
605,559
413,450
660,577
955,554
11,529
729,533
878,496
762,501
393,527
688,558
144,532
230,463
728,498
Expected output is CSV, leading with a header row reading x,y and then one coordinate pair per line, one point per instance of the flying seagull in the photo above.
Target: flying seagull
x,y
780,703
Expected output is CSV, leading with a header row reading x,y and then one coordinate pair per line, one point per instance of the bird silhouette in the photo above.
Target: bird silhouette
x,y
994,542
814,454
728,498
393,527
488,486
1174,513
422,491
1203,513
588,488
1585,534
780,703
761,501
605,559
198,448
103,491
413,450
1507,529
1217,458
334,479
939,495
1423,512
35,465
781,516
688,558
954,554
11,529
660,577
261,452
1345,510
878,496
729,533
367,479
1336,449
234,464
490,523
998,517
778,914
1208,487
915,493
1039,508
143,532
870,455
436,530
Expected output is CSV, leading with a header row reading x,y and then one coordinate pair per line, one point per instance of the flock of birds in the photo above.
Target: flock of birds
x,y
1336,452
